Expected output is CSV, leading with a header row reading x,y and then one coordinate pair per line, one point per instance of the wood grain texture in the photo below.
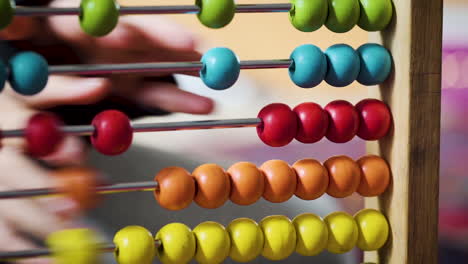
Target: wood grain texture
x,y
413,94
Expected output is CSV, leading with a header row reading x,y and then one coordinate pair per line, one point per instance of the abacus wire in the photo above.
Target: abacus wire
x,y
105,189
147,10
154,127
42,252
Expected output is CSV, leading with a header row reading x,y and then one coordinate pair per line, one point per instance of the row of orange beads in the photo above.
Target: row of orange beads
x,y
210,186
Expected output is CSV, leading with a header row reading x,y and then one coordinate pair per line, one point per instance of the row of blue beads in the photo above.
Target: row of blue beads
x,y
28,73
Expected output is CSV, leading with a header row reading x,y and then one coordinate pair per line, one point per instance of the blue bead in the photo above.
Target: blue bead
x,y
343,65
3,75
221,68
308,67
29,73
376,64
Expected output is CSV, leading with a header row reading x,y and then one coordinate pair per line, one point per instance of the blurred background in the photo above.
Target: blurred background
x,y
271,36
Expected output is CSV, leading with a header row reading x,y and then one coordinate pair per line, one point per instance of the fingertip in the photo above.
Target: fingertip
x,y
72,151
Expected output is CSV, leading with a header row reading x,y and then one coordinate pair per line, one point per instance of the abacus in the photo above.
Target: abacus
x,y
404,61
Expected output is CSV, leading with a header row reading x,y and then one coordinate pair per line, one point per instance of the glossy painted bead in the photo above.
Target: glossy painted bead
x,y
375,176
178,244
246,240
312,179
213,243
375,14
279,125
29,73
312,234
343,65
6,13
79,184
343,121
313,122
113,133
373,229
99,17
375,119
176,188
342,15
342,232
280,181
375,64
308,67
43,134
308,16
344,174
280,237
74,246
213,186
216,13
221,68
247,183
134,244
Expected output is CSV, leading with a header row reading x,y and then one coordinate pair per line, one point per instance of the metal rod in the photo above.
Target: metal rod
x,y
157,67
148,10
106,189
154,127
43,252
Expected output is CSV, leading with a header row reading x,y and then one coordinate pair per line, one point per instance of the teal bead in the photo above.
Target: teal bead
x,y
308,16
343,65
375,14
29,73
343,15
308,67
216,13
6,12
3,75
221,68
376,64
99,17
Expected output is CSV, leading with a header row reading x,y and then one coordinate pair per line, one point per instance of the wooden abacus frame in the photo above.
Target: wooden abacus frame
x,y
413,93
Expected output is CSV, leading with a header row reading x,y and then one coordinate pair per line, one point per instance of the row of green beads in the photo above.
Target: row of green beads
x,y
341,15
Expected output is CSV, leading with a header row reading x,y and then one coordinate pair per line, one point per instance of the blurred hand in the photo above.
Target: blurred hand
x,y
135,39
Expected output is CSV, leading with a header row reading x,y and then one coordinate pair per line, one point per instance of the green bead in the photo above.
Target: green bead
x,y
342,15
375,14
99,17
6,10
308,16
216,13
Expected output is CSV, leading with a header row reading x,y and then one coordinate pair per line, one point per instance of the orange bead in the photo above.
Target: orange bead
x,y
344,175
176,188
248,183
312,179
213,186
375,175
280,181
79,184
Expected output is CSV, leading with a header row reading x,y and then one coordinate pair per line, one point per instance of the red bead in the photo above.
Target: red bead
x,y
279,125
344,121
374,119
313,122
113,133
43,134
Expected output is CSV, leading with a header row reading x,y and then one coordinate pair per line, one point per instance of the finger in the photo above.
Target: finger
x,y
13,242
20,28
68,90
169,97
71,152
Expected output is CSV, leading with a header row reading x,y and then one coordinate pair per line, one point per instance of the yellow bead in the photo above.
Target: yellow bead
x,y
280,237
342,232
373,229
74,246
246,240
178,244
213,243
312,234
134,244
